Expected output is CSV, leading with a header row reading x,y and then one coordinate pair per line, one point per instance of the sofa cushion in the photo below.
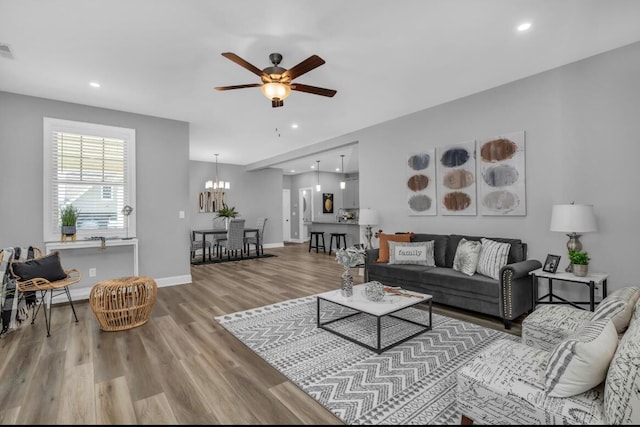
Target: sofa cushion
x,y
580,362
397,273
619,307
411,253
440,246
466,258
621,397
383,253
550,323
456,282
493,256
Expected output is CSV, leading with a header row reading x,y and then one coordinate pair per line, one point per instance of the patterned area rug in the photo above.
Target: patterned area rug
x,y
412,383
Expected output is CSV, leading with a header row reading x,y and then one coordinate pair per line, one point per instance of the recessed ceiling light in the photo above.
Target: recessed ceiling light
x,y
524,26
294,126
293,170
337,169
94,84
313,166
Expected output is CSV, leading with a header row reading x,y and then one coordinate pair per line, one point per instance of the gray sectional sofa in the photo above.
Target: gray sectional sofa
x,y
507,298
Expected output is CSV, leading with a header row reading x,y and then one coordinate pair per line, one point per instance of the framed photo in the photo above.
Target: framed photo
x,y
551,263
327,202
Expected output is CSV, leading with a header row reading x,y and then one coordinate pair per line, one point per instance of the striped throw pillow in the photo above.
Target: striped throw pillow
x,y
618,307
580,362
493,256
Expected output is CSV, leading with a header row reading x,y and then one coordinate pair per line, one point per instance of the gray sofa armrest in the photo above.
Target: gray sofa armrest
x,y
522,268
516,290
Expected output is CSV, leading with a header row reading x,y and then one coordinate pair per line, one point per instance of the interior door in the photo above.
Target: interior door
x,y
286,215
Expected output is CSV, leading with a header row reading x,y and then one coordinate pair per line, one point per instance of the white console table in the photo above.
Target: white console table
x,y
80,244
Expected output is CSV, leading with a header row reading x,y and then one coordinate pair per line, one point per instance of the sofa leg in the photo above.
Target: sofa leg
x,y
465,421
507,324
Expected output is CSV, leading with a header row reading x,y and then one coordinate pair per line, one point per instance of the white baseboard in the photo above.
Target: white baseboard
x,y
274,245
83,293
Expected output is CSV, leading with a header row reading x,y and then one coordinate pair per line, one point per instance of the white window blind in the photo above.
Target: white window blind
x,y
83,163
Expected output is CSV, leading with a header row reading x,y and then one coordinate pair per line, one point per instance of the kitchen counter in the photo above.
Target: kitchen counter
x,y
350,227
348,222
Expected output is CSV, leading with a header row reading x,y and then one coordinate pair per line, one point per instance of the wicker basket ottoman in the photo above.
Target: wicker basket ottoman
x,y
123,303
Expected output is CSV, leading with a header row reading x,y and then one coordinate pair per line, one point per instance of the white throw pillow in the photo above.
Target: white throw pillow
x,y
581,361
420,253
466,258
493,256
619,307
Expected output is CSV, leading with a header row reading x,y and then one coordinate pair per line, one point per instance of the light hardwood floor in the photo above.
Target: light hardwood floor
x,y
181,367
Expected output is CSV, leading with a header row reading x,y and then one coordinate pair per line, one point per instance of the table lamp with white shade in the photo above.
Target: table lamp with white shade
x,y
369,218
573,220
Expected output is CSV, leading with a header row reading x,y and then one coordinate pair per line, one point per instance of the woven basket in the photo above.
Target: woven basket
x,y
123,303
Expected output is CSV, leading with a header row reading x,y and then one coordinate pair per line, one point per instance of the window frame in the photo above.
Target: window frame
x,y
51,125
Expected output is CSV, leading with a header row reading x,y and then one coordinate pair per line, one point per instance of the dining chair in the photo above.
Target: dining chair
x,y
196,245
257,237
234,240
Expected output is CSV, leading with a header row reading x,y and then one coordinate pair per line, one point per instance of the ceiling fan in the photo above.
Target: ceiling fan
x,y
277,81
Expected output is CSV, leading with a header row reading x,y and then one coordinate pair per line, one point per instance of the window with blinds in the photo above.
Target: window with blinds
x,y
91,167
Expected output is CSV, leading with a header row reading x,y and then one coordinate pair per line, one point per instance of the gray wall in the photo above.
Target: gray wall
x,y
254,194
162,183
582,144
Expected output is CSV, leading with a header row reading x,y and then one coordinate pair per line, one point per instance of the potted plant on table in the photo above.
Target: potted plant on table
x,y
68,219
227,213
579,262
349,258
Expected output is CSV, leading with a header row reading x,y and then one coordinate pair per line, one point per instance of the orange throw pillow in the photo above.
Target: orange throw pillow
x,y
383,253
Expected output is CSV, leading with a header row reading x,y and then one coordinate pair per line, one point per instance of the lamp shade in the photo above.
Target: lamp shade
x,y
573,218
368,217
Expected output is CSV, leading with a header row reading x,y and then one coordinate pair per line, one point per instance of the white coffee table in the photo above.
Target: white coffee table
x,y
359,304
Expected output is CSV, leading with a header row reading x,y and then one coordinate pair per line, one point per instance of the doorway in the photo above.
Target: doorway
x,y
305,208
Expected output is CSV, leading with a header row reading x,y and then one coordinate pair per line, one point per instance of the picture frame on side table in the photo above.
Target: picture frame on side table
x,y
551,263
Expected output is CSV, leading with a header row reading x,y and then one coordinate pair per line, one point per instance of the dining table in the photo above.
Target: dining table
x,y
220,231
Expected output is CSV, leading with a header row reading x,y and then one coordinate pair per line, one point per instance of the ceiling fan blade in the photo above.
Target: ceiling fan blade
x,y
238,86
313,89
241,62
314,61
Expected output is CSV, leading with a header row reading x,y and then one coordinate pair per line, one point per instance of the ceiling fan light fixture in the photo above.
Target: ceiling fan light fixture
x,y
276,91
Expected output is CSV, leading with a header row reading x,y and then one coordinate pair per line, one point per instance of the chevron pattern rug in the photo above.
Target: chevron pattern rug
x,y
412,383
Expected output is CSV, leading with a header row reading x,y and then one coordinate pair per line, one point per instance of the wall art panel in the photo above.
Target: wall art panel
x,y
501,175
457,179
421,183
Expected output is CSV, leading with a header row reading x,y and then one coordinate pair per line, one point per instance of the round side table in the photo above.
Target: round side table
x,y
123,303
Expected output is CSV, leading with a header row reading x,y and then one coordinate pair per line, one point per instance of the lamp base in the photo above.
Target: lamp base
x,y
368,234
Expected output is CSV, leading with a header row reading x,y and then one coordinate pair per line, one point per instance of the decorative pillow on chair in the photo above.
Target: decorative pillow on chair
x,y
618,306
47,267
466,259
581,361
493,256
420,253
383,252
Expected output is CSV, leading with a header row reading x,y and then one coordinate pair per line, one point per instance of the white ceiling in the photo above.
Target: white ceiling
x,y
385,58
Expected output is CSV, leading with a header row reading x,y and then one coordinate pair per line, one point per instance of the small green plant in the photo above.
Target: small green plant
x,y
579,257
227,212
69,215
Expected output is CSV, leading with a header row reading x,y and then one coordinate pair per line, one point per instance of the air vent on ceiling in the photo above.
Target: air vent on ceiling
x,y
5,51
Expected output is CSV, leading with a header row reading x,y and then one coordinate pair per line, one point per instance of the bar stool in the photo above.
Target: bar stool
x,y
317,235
338,237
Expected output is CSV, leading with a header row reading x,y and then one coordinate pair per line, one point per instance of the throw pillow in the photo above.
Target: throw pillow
x,y
47,267
383,252
420,253
581,361
493,256
618,307
466,259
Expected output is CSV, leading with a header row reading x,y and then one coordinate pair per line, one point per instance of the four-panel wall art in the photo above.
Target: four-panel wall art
x,y
484,175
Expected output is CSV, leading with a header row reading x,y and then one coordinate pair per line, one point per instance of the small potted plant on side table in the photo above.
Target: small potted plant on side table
x,y
68,220
579,262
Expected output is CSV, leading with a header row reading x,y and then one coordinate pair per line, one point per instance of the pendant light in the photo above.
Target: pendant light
x,y
343,183
318,188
